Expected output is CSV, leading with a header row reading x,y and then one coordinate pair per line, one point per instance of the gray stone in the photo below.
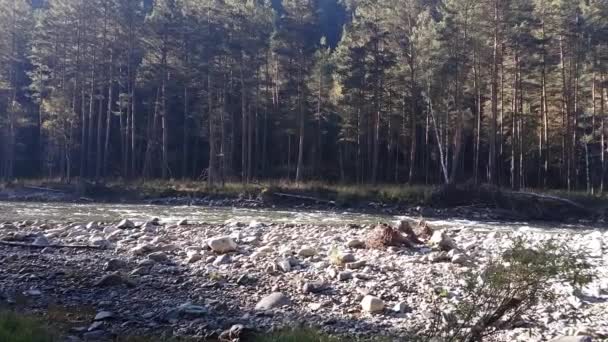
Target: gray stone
x,y
274,300
460,259
103,315
158,257
284,265
442,241
125,224
346,258
114,265
354,243
572,339
345,275
189,309
114,279
313,287
222,244
372,304
92,225
222,260
355,265
41,241
401,307
307,252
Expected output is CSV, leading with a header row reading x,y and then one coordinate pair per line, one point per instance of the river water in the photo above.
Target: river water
x,y
82,213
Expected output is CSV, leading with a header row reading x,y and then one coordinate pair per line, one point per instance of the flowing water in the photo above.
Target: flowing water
x,y
82,213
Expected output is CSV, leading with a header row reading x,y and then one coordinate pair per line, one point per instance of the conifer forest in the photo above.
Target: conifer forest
x,y
507,92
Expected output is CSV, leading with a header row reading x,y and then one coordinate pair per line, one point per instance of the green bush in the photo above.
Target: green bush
x,y
15,328
299,335
509,287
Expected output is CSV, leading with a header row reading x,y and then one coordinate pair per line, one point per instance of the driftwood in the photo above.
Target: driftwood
x,y
44,189
301,197
23,244
543,197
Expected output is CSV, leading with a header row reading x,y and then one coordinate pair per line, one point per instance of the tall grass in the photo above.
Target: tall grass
x,y
15,328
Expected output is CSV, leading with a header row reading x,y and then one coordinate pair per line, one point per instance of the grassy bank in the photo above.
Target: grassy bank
x,y
341,194
21,328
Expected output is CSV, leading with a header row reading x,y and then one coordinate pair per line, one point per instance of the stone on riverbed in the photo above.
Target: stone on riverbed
x,y
125,224
273,300
442,241
222,244
307,252
114,265
41,241
372,304
114,279
572,339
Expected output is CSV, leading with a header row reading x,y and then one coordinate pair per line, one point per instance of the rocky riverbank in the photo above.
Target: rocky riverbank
x,y
189,279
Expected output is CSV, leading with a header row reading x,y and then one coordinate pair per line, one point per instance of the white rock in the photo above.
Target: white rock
x,y
459,259
354,243
143,249
103,315
284,265
99,241
193,257
183,222
222,244
401,307
595,247
372,304
41,241
92,225
125,224
572,339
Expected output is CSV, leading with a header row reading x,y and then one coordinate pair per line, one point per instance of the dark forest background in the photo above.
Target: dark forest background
x,y
508,92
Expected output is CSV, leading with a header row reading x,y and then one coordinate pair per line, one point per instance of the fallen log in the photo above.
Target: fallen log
x,y
301,197
23,244
562,200
44,189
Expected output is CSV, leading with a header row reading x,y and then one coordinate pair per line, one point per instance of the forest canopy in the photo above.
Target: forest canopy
x,y
507,92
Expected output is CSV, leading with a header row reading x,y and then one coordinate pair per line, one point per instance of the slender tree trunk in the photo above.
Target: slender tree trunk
x,y
106,150
492,156
243,125
565,117
301,134
603,133
163,113
212,148
186,133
